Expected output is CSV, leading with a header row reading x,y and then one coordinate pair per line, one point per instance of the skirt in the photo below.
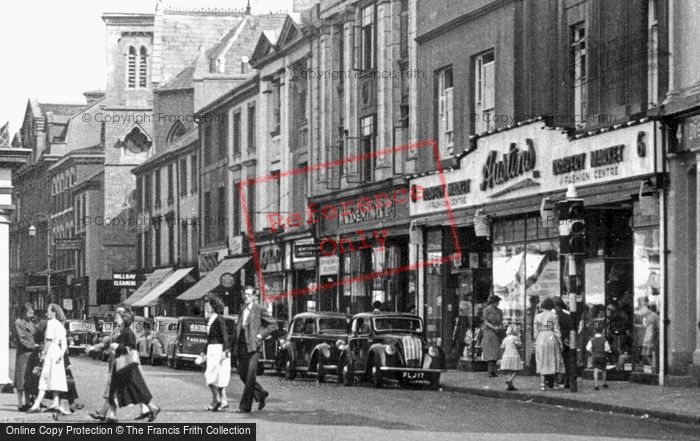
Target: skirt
x,y
511,363
548,353
490,346
128,387
53,371
218,372
21,365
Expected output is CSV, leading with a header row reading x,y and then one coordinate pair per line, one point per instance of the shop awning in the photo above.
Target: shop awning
x,y
151,281
211,280
168,282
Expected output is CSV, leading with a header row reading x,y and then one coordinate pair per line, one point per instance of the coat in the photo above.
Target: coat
x,y
260,322
24,331
491,340
547,343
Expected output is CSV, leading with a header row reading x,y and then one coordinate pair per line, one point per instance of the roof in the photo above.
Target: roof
x,y
60,112
173,149
321,314
183,80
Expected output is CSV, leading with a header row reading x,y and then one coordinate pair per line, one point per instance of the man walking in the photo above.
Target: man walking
x,y
565,325
254,325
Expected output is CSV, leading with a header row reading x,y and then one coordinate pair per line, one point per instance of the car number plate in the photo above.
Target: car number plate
x,y
413,375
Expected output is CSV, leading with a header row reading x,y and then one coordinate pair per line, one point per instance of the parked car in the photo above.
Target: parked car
x,y
390,346
80,334
270,358
140,325
104,329
313,343
153,343
190,341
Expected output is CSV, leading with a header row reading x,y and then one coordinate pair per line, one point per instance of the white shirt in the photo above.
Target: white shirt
x,y
246,313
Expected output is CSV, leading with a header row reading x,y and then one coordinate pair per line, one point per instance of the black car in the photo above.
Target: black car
x,y
313,343
80,334
189,343
270,358
390,346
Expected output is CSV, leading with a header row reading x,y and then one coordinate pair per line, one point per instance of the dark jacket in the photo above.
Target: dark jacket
x,y
565,325
260,322
217,333
25,330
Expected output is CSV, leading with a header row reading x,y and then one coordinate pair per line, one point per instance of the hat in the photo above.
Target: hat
x,y
493,299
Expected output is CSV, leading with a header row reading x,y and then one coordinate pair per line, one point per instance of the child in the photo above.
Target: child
x,y
510,361
599,348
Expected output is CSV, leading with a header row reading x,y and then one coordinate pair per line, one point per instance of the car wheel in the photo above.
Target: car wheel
x,y
320,372
289,371
346,377
376,376
260,370
435,382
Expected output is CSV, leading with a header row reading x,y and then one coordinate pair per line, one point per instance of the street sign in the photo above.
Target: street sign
x,y
67,244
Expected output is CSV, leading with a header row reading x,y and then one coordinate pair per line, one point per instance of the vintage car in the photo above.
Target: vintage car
x,y
153,343
389,346
270,358
189,342
104,329
141,325
80,334
313,344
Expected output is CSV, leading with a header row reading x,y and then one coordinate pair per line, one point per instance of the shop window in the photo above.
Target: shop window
x,y
647,300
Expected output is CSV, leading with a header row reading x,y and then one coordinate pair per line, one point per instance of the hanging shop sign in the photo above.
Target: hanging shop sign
x,y
124,280
532,159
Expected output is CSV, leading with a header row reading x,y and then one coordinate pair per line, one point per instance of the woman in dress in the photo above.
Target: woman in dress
x,y
127,385
492,332
53,371
547,343
24,330
218,372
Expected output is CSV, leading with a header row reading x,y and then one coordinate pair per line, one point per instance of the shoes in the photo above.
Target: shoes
x,y
223,406
261,404
596,388
33,410
543,387
97,415
23,408
215,407
143,416
605,385
493,375
58,410
242,411
111,420
153,415
79,406
510,386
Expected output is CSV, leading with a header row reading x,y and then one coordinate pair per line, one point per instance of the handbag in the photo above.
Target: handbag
x,y
126,360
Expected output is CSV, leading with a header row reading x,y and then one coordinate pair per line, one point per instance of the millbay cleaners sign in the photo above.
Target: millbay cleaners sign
x,y
533,159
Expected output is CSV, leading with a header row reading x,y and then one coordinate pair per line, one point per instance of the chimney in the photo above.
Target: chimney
x,y
92,96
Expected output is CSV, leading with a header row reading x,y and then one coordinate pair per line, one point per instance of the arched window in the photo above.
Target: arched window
x,y
136,141
176,131
131,68
143,67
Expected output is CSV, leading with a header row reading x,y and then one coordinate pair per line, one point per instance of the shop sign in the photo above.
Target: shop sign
x,y
67,244
329,265
689,133
270,257
305,250
236,244
533,159
68,304
124,280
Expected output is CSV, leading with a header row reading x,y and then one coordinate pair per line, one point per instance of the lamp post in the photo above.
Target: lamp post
x,y
32,233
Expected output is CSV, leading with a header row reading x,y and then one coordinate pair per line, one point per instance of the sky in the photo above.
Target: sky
x,y
54,50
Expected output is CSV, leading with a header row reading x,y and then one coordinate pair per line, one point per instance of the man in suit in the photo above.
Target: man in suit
x,y
254,325
565,325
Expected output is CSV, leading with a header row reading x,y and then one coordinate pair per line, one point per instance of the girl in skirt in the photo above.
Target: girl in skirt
x,y
511,362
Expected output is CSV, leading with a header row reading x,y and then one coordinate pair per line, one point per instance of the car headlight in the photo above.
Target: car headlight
x,y
390,349
282,342
340,344
432,351
70,340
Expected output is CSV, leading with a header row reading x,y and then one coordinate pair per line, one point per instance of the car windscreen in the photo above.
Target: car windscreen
x,y
384,324
81,327
167,326
332,325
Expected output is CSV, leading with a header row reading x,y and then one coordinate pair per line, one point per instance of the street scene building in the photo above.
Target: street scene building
x,y
346,162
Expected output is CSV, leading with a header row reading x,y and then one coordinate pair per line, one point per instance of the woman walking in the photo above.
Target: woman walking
x,y
547,343
218,356
127,385
53,371
492,334
24,330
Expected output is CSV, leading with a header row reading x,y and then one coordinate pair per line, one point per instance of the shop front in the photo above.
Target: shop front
x,y
364,237
271,259
501,219
301,274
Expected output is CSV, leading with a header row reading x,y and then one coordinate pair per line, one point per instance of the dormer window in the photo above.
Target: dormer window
x,y
137,68
217,65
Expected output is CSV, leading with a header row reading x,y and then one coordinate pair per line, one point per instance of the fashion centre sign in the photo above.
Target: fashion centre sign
x,y
534,158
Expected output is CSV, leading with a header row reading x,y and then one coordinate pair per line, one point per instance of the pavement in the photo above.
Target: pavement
x,y
661,402
467,401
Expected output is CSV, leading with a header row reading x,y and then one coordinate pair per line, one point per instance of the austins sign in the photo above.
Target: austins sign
x,y
513,164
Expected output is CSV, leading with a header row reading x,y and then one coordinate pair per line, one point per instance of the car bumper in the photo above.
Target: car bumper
x,y
412,371
190,357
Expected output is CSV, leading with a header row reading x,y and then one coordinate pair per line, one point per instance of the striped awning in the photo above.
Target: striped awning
x,y
152,280
168,282
211,280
